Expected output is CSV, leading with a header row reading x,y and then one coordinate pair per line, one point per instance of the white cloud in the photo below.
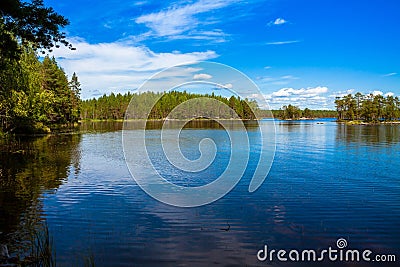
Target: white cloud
x,y
376,92
223,86
107,25
303,97
283,42
353,91
389,94
140,3
180,22
119,66
304,92
342,93
228,86
315,91
278,21
201,76
390,74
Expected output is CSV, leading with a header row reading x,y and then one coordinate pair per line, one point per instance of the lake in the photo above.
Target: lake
x,y
327,181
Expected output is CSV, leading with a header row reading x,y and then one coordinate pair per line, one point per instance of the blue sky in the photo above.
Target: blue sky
x,y
301,52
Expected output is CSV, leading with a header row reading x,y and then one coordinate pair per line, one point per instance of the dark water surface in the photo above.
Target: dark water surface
x,y
328,181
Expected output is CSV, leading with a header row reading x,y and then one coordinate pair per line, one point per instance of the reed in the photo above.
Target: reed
x,y
42,250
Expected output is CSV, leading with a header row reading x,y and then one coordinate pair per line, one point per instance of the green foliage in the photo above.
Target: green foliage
x,y
114,106
28,22
75,93
369,108
36,95
324,113
33,94
307,113
291,112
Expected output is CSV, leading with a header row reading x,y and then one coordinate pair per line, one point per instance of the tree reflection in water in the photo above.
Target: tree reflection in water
x,y
30,167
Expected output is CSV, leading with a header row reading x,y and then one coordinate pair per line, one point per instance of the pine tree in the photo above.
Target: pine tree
x,y
75,92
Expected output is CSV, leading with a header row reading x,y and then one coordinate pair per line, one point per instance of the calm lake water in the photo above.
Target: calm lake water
x,y
327,181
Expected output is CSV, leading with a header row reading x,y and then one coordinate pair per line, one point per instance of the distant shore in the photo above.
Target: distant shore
x,y
168,119
299,119
359,122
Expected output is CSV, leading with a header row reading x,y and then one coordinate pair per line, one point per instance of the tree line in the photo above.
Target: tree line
x,y
114,106
291,112
369,108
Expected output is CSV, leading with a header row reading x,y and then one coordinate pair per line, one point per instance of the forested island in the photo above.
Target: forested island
x,y
113,106
290,112
357,109
369,108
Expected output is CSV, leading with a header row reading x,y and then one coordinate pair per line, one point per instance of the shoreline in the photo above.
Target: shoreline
x,y
62,129
299,119
356,122
145,120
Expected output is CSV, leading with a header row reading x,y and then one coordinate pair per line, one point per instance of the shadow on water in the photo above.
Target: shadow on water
x,y
28,168
193,124
100,126
111,126
379,135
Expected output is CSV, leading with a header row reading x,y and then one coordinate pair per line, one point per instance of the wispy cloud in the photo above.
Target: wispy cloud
x,y
108,26
202,76
228,86
283,42
281,80
216,36
181,21
223,86
390,74
289,77
278,21
140,3
119,66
